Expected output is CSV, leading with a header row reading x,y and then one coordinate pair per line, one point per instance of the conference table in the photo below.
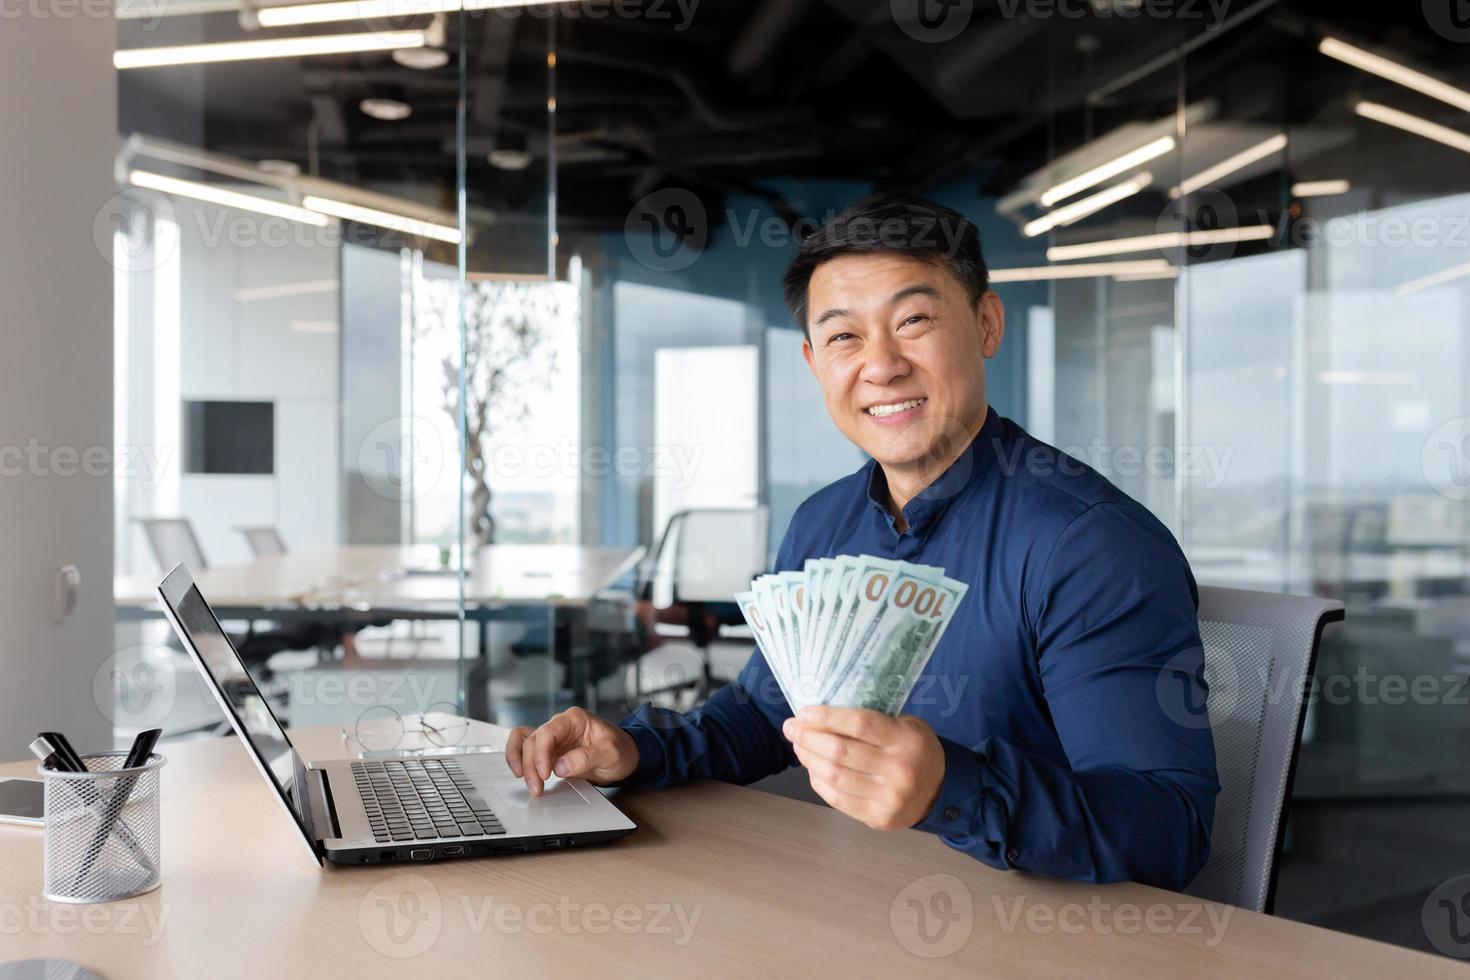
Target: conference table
x,y
719,880
357,585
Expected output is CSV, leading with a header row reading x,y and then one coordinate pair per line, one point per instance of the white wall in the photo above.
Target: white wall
x,y
236,342
58,109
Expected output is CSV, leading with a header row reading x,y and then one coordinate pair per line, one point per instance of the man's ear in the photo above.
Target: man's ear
x,y
810,357
992,314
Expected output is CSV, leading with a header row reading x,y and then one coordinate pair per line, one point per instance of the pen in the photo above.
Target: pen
x,y
137,755
52,757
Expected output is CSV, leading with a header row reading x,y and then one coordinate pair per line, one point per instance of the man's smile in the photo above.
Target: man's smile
x,y
892,412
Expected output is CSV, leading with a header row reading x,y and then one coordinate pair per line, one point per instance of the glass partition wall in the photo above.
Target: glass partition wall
x,y
334,276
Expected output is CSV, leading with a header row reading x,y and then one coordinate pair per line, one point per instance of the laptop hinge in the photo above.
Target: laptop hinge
x,y
327,801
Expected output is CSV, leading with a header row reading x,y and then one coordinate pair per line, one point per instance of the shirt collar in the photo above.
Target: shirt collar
x,y
938,495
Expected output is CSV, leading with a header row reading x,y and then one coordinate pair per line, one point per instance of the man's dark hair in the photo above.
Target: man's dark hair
x,y
901,224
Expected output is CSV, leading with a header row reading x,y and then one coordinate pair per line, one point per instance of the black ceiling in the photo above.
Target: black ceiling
x,y
743,92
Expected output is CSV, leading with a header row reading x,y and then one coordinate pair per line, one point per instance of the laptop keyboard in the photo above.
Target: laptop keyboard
x,y
420,799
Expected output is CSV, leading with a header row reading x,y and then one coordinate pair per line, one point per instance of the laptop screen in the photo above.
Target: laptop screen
x,y
237,693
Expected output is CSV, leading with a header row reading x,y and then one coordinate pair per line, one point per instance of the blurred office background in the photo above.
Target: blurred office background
x,y
456,354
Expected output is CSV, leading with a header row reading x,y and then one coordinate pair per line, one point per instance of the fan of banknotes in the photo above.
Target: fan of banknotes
x,y
854,632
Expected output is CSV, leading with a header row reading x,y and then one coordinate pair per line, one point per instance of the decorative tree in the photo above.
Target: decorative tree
x,y
507,363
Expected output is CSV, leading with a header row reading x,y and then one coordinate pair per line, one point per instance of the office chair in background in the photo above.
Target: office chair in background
x,y
174,542
686,590
1261,650
264,540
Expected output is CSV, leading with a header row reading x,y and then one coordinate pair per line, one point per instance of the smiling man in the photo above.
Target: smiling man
x,y
1051,731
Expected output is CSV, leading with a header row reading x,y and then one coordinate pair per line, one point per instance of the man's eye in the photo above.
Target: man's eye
x,y
838,336
914,319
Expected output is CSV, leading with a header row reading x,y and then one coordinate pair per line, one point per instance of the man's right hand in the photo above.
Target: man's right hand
x,y
573,743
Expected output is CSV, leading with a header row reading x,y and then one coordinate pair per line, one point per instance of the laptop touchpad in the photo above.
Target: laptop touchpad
x,y
558,792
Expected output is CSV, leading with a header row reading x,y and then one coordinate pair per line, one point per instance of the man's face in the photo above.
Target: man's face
x,y
900,353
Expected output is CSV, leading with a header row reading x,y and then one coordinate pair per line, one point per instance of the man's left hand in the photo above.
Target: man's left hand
x,y
883,771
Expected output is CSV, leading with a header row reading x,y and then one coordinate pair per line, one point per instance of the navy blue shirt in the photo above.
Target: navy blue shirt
x,y
1066,693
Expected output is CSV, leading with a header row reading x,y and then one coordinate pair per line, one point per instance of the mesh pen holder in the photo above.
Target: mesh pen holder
x,y
103,838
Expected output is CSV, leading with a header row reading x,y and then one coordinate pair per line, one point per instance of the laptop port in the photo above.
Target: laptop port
x,y
387,856
512,848
452,848
551,842
421,854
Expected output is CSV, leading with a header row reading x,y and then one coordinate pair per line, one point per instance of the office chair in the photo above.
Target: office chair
x,y
704,557
174,542
263,540
1260,652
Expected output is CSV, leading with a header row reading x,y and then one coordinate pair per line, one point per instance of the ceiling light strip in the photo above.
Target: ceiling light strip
x,y
1078,210
227,198
1100,173
1395,72
1144,243
284,47
1414,124
1081,271
1230,165
383,219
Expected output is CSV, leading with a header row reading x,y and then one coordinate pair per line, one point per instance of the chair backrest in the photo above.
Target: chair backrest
x,y
263,541
173,542
709,554
1260,651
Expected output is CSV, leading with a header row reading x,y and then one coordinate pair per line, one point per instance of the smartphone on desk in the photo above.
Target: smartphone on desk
x,y
21,801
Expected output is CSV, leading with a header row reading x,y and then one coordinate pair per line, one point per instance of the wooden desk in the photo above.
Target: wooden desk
x,y
719,881
405,578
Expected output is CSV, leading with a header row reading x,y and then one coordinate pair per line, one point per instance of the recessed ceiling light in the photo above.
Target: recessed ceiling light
x,y
507,159
388,110
281,168
421,59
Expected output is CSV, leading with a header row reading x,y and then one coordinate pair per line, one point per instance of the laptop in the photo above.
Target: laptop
x,y
386,810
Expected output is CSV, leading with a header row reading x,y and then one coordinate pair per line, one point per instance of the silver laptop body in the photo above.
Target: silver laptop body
x,y
374,811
